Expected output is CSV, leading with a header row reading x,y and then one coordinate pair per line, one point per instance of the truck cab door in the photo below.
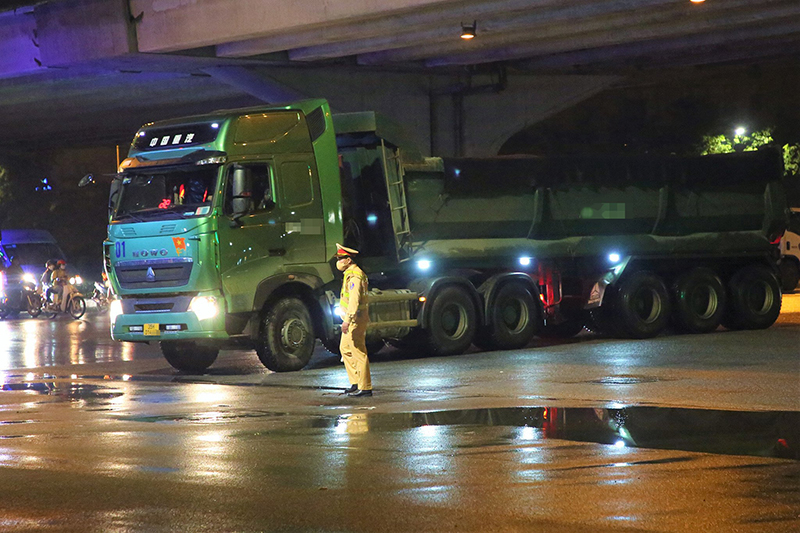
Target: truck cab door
x,y
250,232
300,207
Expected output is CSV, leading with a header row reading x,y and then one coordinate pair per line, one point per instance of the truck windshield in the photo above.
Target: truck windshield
x,y
173,193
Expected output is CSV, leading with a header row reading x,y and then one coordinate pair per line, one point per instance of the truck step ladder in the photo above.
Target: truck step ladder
x,y
396,190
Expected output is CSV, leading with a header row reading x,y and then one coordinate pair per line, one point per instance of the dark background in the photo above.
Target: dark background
x,y
651,113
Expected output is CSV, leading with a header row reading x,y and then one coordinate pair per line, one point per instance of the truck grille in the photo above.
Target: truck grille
x,y
153,273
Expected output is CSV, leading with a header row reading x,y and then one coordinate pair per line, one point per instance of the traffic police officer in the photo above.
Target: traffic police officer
x,y
355,318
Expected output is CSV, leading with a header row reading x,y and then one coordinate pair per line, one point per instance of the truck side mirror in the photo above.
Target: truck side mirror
x,y
242,197
113,195
87,180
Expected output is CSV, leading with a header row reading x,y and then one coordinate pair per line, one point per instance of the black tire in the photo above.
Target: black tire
x,y
77,307
790,275
189,356
754,299
286,336
453,322
641,306
513,319
5,310
699,301
34,302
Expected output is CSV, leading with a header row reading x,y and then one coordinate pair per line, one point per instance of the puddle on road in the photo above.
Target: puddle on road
x,y
766,434
758,433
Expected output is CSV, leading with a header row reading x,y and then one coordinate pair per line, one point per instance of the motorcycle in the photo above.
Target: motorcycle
x,y
100,296
15,299
76,305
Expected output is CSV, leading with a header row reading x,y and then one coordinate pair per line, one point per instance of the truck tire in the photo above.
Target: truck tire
x,y
754,299
699,301
453,322
286,337
189,356
790,275
641,305
513,319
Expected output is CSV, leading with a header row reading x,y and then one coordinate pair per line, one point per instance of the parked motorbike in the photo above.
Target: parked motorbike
x,y
21,297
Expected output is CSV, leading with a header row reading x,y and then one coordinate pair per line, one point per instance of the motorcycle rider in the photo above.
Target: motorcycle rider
x,y
61,285
45,280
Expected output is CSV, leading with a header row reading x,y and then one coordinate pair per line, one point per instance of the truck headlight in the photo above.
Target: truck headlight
x,y
76,280
204,307
114,310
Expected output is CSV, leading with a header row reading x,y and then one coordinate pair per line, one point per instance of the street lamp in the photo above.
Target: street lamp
x,y
741,130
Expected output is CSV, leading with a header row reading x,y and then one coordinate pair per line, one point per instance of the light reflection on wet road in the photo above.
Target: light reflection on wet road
x,y
130,444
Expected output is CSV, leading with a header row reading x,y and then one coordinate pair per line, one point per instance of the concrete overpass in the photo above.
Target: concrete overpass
x,y
76,72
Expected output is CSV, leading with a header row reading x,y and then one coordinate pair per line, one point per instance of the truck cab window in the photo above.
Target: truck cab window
x,y
184,192
260,183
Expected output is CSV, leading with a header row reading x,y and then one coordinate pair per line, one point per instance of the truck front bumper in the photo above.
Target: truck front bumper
x,y
157,319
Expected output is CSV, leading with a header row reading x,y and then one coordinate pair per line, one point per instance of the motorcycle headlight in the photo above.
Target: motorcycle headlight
x,y
76,280
29,278
204,307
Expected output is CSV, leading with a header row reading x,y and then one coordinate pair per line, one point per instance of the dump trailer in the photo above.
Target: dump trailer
x,y
223,228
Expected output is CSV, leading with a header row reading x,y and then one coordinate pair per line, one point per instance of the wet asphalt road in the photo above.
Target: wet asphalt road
x,y
100,436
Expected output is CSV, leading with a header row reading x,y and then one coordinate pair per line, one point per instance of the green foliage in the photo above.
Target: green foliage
x,y
722,144
791,159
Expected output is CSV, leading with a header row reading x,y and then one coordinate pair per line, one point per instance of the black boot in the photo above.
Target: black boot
x,y
353,388
359,393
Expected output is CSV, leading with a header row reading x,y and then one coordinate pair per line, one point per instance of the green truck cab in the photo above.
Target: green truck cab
x,y
223,226
213,215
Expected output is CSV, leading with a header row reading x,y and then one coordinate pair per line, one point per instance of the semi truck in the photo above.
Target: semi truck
x,y
222,229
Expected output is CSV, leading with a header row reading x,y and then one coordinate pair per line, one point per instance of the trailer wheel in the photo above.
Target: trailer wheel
x,y
286,337
699,301
754,297
188,356
641,305
790,275
513,319
453,322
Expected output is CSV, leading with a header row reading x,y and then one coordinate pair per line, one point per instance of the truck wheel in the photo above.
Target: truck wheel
x,y
641,305
699,301
188,355
453,322
754,299
513,319
790,275
286,337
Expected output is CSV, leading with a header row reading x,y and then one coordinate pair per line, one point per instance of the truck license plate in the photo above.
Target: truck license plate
x,y
152,329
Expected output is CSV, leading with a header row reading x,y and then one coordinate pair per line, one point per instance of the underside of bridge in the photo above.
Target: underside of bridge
x,y
81,72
